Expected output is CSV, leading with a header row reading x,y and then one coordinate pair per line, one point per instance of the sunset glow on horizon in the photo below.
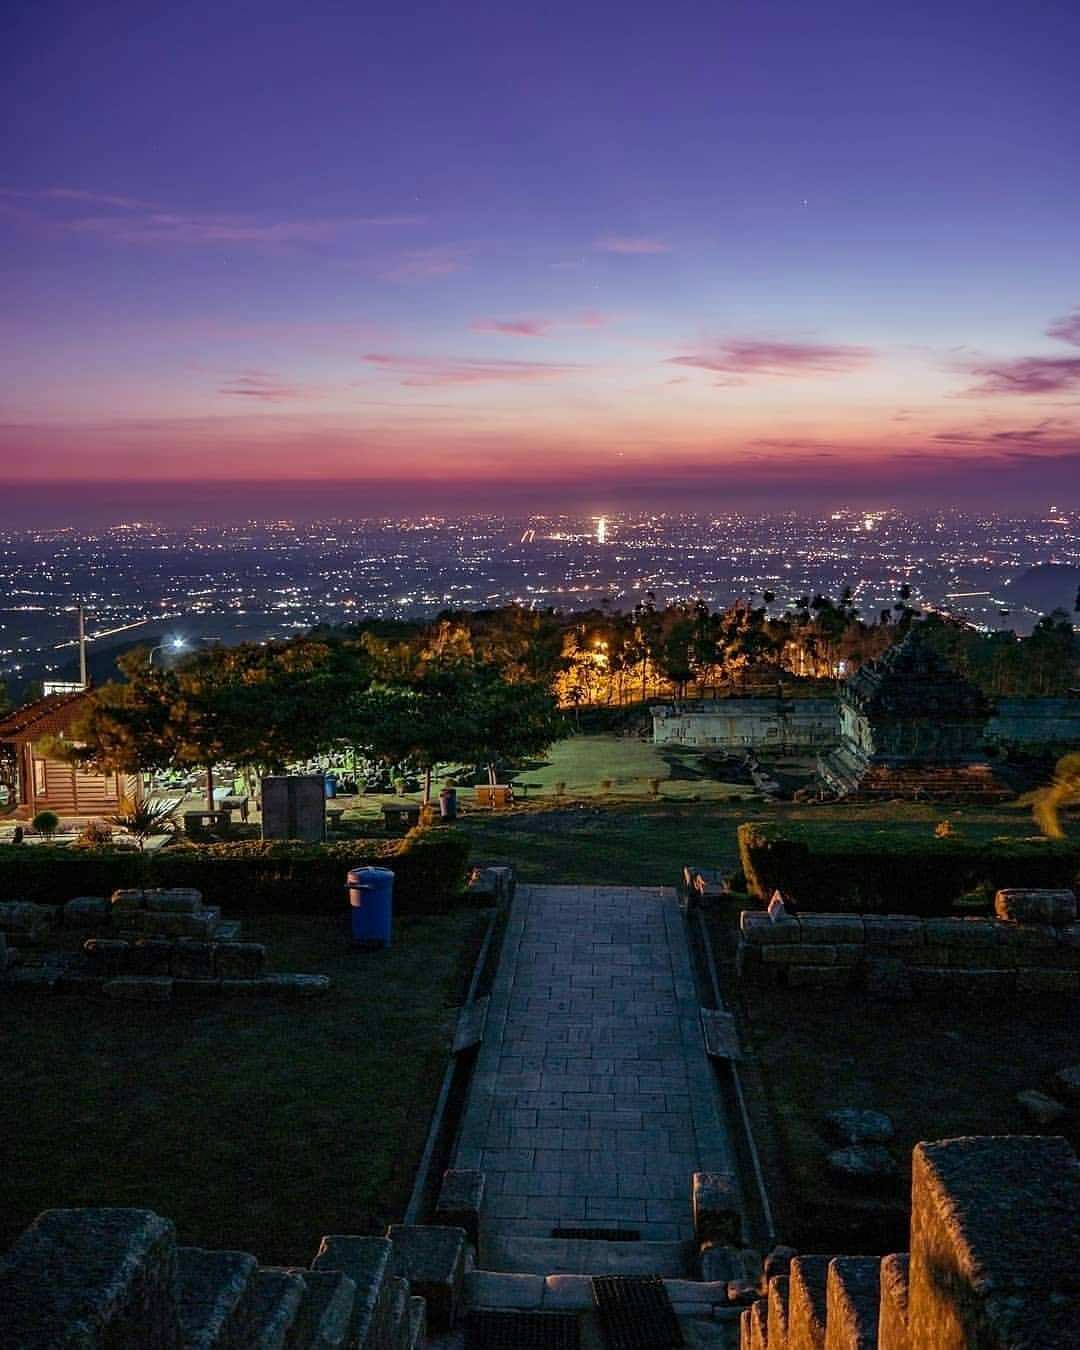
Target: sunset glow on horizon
x,y
589,252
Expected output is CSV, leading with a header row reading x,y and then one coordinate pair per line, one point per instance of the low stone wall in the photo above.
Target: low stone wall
x,y
159,943
995,1247
1032,947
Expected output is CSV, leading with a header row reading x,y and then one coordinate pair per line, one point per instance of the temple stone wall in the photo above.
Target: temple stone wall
x,y
994,1262
1035,952
1035,723
750,723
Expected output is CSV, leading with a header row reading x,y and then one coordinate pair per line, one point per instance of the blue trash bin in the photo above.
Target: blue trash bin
x,y
371,905
330,786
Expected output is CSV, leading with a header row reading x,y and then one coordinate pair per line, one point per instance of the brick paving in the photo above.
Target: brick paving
x,y
593,1101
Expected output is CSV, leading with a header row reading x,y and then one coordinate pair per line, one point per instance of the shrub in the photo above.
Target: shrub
x,y
249,876
46,823
864,871
94,834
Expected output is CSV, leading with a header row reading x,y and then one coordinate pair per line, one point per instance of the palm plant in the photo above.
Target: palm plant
x,y
143,819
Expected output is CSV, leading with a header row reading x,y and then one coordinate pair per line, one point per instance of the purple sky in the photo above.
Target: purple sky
x,y
599,254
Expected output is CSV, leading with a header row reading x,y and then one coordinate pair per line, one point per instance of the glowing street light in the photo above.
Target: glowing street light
x,y
175,644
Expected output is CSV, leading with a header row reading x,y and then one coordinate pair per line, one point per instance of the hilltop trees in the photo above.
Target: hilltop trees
x,y
256,705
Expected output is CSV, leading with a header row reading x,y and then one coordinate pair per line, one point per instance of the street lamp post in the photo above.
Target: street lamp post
x,y
176,644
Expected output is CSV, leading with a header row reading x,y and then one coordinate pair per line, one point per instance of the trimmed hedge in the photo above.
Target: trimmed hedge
x,y
876,872
250,876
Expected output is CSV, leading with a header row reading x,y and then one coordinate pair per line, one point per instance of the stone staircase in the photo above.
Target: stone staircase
x,y
995,1243
115,1279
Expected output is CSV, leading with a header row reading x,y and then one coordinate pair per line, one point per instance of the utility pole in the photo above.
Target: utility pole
x,y
82,646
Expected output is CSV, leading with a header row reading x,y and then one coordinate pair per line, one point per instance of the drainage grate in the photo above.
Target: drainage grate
x,y
597,1234
506,1329
636,1313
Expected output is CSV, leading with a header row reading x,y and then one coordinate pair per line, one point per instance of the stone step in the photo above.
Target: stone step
x,y
228,930
277,1296
325,1316
506,1250
367,1261
417,1323
216,1298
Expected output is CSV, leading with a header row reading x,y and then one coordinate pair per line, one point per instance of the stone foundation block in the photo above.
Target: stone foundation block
x,y
196,988
960,933
778,1262
99,1279
808,1303
239,960
1069,936
852,1298
1035,906
106,956
20,919
934,955
929,980
983,983
30,980
782,955
777,1309
1028,941
461,1198
716,1208
192,960
886,931
87,911
139,988
1031,980
848,953
433,1261
833,928
367,1262
154,924
759,930
178,900
242,988
819,977
126,902
995,1243
893,1308
149,956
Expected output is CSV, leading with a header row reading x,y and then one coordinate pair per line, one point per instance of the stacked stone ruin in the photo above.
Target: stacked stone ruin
x,y
117,1279
1031,946
995,1241
148,945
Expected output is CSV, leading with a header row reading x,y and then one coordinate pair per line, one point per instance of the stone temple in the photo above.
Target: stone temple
x,y
911,727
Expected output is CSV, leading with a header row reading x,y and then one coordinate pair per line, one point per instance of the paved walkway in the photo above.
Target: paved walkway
x,y
593,1100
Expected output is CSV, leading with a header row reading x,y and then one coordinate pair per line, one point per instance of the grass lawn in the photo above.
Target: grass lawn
x,y
253,1125
939,1068
646,843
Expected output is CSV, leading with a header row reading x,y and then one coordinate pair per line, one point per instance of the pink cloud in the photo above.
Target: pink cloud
x,y
620,243
146,223
265,388
747,356
514,327
1066,328
1027,375
427,372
